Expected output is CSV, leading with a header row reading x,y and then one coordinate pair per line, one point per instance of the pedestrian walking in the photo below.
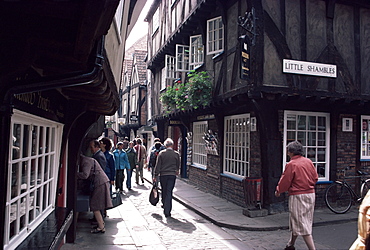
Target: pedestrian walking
x,y
141,160
97,153
100,198
299,179
110,169
167,168
132,159
121,163
153,156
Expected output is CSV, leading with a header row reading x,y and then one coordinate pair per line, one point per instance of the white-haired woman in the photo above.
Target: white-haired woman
x,y
299,179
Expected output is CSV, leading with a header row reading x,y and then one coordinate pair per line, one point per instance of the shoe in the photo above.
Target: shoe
x,y
142,181
96,226
167,215
289,248
98,231
129,189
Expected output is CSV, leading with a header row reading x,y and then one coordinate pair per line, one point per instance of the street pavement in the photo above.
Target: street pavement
x,y
136,224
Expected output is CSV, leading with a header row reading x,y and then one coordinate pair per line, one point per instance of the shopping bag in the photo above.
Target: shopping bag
x,y
154,196
116,199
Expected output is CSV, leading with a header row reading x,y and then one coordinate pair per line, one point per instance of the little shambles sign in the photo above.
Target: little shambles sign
x,y
309,68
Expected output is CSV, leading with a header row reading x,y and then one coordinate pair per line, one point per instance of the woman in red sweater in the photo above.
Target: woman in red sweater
x,y
299,179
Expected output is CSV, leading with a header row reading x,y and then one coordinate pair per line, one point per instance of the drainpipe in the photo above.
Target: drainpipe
x,y
6,110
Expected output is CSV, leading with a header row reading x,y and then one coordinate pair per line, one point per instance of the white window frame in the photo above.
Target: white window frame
x,y
215,36
237,145
35,145
124,111
313,139
155,21
182,58
170,62
133,103
365,138
196,51
163,83
199,154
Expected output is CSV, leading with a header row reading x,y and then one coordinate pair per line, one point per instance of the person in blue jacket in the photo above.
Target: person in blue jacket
x,y
121,163
110,169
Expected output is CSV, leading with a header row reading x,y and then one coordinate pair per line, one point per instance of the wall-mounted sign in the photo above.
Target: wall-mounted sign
x,y
245,58
347,124
309,68
206,117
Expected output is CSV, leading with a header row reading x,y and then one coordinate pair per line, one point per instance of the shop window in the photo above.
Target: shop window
x,y
237,145
312,130
199,150
215,36
32,175
196,51
133,103
365,137
182,58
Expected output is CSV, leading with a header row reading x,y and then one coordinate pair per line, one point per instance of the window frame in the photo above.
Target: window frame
x,y
241,166
365,144
315,161
196,52
155,21
35,184
185,58
199,143
213,37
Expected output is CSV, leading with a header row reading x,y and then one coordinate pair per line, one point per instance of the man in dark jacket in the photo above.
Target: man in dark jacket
x,y
98,155
167,167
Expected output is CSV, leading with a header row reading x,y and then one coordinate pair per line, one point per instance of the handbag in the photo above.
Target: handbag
x,y
92,184
154,196
116,200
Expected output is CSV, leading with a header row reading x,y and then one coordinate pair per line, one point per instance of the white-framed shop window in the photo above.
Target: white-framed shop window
x,y
312,129
215,35
32,175
237,145
365,137
182,58
196,51
199,156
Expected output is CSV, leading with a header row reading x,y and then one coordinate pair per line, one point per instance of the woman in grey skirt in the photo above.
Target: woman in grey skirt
x,y
100,198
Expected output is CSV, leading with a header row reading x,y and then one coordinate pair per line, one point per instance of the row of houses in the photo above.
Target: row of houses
x,y
279,71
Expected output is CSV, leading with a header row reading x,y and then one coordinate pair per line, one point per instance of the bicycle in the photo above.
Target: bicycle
x,y
339,196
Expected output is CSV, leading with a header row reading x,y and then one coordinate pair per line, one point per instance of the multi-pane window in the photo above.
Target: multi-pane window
x,y
237,145
182,57
170,67
196,51
215,36
32,175
312,130
199,150
365,137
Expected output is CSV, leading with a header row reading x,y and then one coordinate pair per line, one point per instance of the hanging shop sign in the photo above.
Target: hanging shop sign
x,y
309,68
245,58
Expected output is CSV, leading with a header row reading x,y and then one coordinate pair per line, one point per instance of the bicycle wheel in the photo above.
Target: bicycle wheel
x,y
338,198
364,188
